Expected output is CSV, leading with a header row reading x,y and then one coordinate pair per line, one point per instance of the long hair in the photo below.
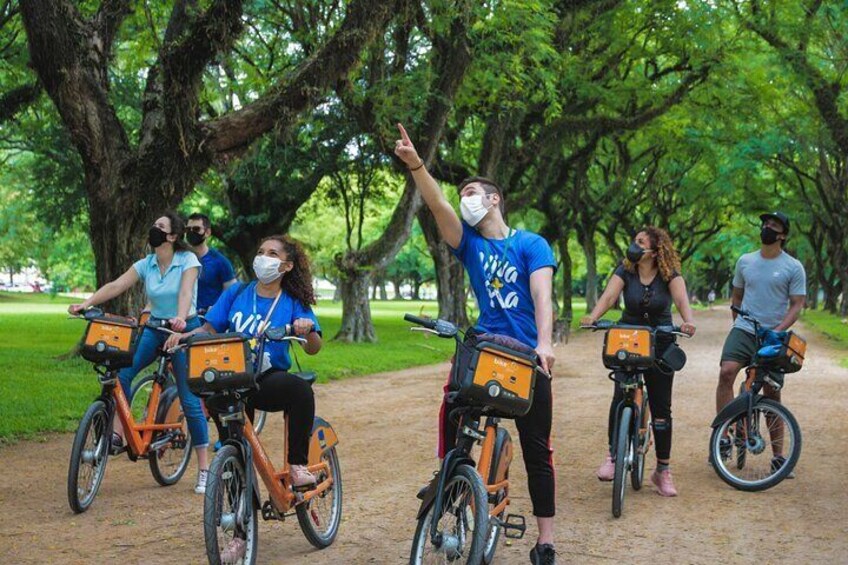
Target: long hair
x,y
178,228
668,261
297,282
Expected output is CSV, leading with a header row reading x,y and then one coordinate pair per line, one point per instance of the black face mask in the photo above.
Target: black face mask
x,y
156,237
194,239
635,252
768,235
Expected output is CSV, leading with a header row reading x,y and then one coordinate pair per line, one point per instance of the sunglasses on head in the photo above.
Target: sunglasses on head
x,y
647,295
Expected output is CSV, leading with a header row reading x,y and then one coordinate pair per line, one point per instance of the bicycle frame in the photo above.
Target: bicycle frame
x,y
283,499
139,436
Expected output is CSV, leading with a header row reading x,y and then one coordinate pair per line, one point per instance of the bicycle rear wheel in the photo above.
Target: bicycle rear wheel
x,y
169,463
141,390
463,524
772,431
319,518
623,456
89,455
230,526
643,442
504,441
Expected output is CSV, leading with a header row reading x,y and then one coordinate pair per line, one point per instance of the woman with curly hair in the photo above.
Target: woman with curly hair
x,y
650,280
281,294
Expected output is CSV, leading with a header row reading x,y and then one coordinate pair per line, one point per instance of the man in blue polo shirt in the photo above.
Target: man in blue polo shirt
x,y
511,272
217,272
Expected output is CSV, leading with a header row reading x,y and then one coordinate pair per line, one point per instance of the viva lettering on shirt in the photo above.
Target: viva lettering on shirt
x,y
248,325
499,273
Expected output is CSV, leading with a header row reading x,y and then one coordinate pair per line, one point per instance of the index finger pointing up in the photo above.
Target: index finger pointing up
x,y
404,136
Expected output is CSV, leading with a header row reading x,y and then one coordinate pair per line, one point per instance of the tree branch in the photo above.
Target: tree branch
x,y
17,99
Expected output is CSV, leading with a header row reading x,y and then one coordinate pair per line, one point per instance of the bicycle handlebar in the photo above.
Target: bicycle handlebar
x,y
608,324
427,323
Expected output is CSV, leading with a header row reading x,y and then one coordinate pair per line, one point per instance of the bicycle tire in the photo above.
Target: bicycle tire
x,y
170,411
228,466
622,451
494,532
774,478
462,475
307,515
95,419
637,473
260,417
140,395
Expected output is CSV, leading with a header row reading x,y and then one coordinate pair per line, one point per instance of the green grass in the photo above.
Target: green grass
x,y
40,393
831,326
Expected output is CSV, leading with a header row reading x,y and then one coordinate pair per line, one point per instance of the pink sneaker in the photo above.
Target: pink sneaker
x,y
300,476
664,483
606,472
234,552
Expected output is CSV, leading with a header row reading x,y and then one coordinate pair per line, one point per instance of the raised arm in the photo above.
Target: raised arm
x,y
446,219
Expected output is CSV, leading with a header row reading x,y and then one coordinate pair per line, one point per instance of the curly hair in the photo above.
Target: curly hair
x,y
668,261
297,282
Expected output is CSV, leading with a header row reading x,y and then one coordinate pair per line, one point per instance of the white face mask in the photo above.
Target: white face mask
x,y
267,269
473,209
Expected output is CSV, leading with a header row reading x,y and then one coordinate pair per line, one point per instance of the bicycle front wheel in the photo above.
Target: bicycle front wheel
x,y
623,456
230,525
463,524
771,441
89,455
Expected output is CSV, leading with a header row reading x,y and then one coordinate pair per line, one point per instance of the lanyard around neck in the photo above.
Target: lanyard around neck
x,y
267,321
494,278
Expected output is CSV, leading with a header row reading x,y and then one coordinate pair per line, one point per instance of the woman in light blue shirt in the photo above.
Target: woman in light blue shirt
x,y
170,276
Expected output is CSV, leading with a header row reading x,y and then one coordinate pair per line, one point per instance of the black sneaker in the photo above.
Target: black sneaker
x,y
543,554
777,463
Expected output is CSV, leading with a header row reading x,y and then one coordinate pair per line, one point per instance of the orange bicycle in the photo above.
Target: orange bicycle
x,y
462,509
162,437
221,371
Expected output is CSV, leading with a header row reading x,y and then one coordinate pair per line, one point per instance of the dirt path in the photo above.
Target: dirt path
x,y
387,426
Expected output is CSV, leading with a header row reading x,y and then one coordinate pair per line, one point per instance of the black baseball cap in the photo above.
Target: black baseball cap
x,y
780,217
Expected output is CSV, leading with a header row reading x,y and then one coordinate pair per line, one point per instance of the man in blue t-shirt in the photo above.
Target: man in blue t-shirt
x,y
216,271
511,272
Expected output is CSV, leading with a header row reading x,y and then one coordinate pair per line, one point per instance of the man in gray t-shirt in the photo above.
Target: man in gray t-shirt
x,y
772,286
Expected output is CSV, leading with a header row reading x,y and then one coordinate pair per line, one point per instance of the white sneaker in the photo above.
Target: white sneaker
x,y
200,487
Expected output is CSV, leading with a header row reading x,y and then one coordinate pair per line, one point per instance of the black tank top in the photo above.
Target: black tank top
x,y
645,305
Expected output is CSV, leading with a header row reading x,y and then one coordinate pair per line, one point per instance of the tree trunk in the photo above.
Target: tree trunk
x,y
567,280
450,274
383,294
356,326
396,285
587,242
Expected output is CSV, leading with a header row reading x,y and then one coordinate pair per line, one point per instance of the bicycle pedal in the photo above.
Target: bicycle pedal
x,y
514,526
270,513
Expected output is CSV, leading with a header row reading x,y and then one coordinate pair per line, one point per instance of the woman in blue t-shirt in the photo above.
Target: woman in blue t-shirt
x,y
169,275
650,281
283,288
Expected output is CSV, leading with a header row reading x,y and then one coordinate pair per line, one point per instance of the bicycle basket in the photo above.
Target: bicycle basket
x,y
785,354
219,362
628,349
495,371
110,341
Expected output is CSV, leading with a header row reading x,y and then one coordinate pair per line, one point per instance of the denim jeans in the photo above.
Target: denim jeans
x,y
146,352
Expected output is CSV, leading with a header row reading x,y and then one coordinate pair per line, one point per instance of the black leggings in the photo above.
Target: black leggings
x,y
282,391
659,398
534,433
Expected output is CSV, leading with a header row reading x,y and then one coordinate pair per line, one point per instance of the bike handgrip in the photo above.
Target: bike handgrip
x,y
430,324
